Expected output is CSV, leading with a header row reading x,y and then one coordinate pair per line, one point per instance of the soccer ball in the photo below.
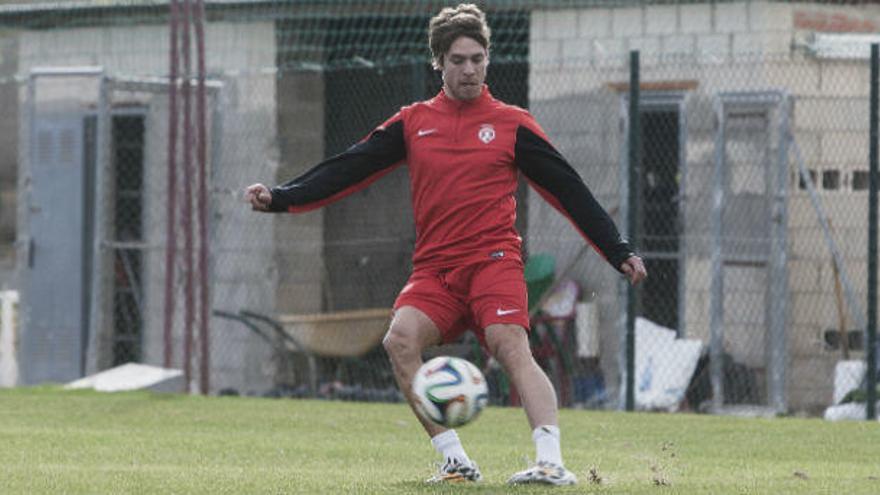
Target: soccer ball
x,y
450,391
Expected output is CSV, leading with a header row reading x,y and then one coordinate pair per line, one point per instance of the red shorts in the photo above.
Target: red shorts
x,y
471,296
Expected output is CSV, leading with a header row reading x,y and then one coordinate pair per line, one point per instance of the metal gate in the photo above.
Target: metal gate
x,y
749,223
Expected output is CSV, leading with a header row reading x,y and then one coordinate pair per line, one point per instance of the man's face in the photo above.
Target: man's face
x,y
464,69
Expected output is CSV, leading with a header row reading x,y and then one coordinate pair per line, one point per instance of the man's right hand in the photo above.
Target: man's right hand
x,y
258,196
634,269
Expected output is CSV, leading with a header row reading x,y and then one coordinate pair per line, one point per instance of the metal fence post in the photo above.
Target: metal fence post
x,y
102,163
633,221
716,287
779,268
872,242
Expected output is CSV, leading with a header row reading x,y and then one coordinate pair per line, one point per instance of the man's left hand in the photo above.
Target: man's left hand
x,y
634,269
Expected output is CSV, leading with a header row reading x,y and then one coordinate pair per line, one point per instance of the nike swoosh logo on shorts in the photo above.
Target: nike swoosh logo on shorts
x,y
502,312
425,132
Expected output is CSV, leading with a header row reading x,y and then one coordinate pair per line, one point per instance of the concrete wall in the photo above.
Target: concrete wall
x,y
300,238
243,243
577,55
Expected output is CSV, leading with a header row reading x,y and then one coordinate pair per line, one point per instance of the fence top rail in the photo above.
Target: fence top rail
x,y
22,8
768,96
87,71
158,84
50,6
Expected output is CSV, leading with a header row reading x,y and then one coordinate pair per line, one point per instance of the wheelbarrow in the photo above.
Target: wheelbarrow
x,y
341,334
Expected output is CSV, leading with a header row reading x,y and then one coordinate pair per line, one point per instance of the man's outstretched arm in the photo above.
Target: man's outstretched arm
x,y
338,176
552,176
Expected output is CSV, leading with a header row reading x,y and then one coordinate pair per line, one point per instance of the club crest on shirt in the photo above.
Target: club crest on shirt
x,y
486,133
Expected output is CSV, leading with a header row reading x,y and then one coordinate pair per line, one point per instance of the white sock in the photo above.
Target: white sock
x,y
449,446
547,447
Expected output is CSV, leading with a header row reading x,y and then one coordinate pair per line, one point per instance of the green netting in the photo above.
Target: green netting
x,y
292,82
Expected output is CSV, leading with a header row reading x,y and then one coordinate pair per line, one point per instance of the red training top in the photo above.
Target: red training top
x,y
464,158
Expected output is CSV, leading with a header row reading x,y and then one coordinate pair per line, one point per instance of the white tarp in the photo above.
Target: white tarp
x,y
132,376
848,376
664,366
854,411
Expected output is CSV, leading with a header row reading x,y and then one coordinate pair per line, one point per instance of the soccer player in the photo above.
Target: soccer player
x,y
465,150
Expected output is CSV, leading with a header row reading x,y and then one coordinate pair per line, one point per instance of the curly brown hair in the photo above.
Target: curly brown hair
x,y
452,23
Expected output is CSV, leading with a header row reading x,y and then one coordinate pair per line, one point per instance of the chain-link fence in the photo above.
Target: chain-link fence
x,y
753,193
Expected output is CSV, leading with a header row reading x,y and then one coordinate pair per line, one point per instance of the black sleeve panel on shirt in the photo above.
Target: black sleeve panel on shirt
x,y
345,173
553,177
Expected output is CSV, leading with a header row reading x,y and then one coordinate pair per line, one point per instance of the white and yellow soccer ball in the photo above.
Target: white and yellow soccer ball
x,y
450,391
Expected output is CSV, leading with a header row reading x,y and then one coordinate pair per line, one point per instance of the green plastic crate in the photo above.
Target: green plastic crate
x,y
540,270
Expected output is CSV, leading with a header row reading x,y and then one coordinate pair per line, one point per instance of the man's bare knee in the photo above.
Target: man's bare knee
x,y
401,342
411,331
508,343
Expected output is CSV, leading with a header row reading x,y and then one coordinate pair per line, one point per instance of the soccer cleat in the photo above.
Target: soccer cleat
x,y
544,473
454,471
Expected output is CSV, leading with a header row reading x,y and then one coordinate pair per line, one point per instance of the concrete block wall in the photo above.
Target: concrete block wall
x,y
712,32
736,46
300,262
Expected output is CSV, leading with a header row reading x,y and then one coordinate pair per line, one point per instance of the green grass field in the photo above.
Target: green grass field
x,y
54,441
